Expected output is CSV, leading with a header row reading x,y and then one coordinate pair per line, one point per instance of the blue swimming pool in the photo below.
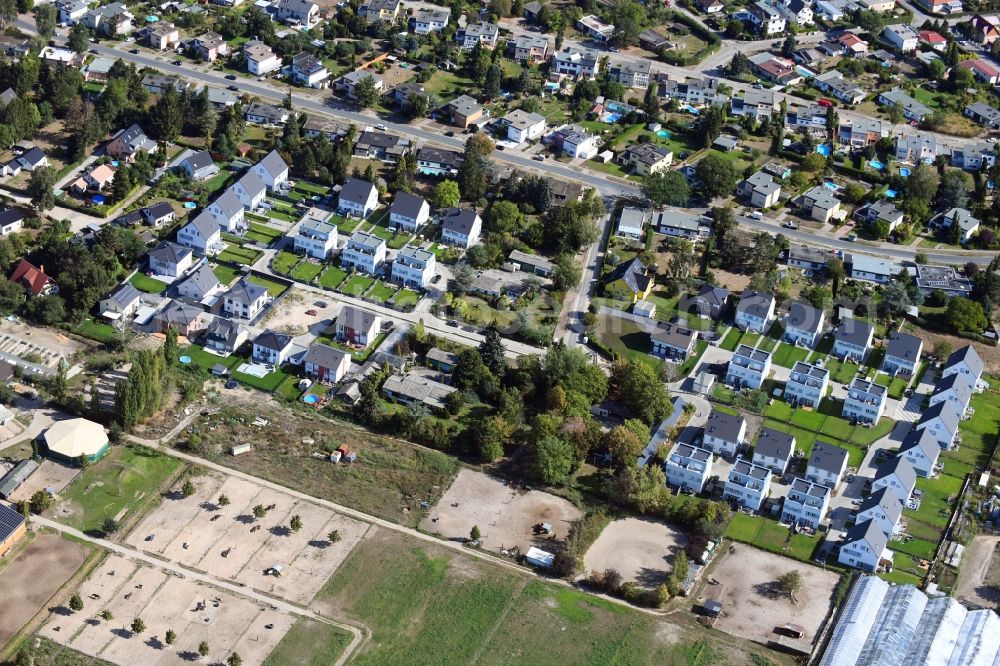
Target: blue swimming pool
x,y
825,150
876,164
310,398
185,359
691,109
804,72
663,134
891,194
833,187
190,204
904,172
612,117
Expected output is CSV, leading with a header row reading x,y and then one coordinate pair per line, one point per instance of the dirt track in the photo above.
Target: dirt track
x,y
979,573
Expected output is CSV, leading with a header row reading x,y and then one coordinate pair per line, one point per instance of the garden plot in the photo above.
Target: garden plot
x,y
230,542
195,612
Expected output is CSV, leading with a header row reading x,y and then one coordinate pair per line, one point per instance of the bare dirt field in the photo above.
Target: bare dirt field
x,y
979,577
289,315
505,515
989,354
751,610
33,577
640,550
195,612
49,344
229,542
49,474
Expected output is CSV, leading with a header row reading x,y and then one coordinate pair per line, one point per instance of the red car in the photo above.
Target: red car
x,y
311,313
824,102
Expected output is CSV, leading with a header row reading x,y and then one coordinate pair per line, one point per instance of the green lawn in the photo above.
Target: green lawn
x,y
732,339
128,477
205,360
357,284
225,274
263,233
268,382
306,271
97,331
284,261
768,535
147,284
626,338
787,355
308,188
382,291
332,277
406,298
309,643
240,255
841,372
345,226
273,287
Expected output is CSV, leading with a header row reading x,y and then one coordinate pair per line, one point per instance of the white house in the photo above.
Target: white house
x,y
774,450
688,467
870,269
244,300
461,227
896,473
852,339
865,401
747,485
805,504
414,267
748,367
250,190
272,170
864,547
227,210
364,252
169,259
760,190
965,361
325,363
316,236
804,324
724,434
122,302
631,223
309,71
807,385
902,36
827,464
199,165
201,285
755,311
272,347
968,226
921,450
884,508
941,421
358,198
523,126
357,326
902,354
202,234
260,59
956,389
408,212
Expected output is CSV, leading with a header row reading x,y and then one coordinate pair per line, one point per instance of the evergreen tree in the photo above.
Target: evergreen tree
x,y
492,351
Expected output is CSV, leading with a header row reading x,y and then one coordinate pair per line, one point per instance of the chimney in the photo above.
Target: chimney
x,y
41,268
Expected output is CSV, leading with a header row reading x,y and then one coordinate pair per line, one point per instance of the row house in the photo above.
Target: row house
x,y
941,420
921,450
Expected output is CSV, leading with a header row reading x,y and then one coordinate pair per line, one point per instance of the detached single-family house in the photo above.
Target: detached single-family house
x,y
531,49
688,467
864,547
643,159
921,450
755,311
575,142
201,285
11,221
806,385
260,59
941,421
122,302
202,234
883,507
774,450
886,211
427,21
127,142
188,320
463,111
272,170
748,367
724,434
983,71
357,326
364,253
766,19
316,236
482,33
628,281
576,62
414,267
631,223
865,401
902,354
747,485
896,473
852,340
916,148
309,71
244,300
912,109
31,159
755,103
461,227
759,190
820,204
827,464
272,347
358,198
225,336
170,259
260,113
199,165
210,46
803,324
33,279
408,212
968,226
348,83
965,361
682,225
984,114
672,342
809,259
871,269
805,504
710,301
301,12
902,36
523,126
250,190
325,363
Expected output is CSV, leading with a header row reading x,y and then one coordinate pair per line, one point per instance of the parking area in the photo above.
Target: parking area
x,y
751,606
640,550
194,612
505,515
230,542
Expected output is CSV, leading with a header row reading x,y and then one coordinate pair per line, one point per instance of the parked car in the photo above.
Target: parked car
x,y
230,77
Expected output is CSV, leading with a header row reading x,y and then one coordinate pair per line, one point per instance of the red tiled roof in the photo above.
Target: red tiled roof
x,y
980,66
33,279
931,37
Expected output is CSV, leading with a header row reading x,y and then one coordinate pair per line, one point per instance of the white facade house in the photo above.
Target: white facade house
x,y
272,170
896,473
408,212
852,339
316,237
827,464
272,348
865,402
461,227
688,467
884,508
748,367
202,234
807,385
325,363
724,434
760,190
964,361
864,547
803,324
921,450
244,300
260,59
956,389
227,210
902,354
523,126
414,267
902,36
170,259
364,253
250,190
747,485
941,421
358,198
805,504
755,311
774,450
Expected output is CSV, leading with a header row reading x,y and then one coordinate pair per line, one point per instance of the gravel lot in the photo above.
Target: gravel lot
x,y
640,550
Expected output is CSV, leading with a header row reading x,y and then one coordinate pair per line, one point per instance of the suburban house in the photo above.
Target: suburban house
x,y
11,220
364,253
228,211
968,226
413,388
682,225
766,19
33,279
348,83
523,126
113,19
29,160
688,467
897,474
755,103
162,36
984,114
803,324
864,547
358,198
806,385
244,300
576,62
250,190
531,49
983,71
805,504
902,354
643,159
902,36
885,211
381,146
169,259
200,285
127,142
414,267
408,212
865,401
748,367
461,227
984,29
202,234
188,320
852,339
427,21
971,156
272,170
827,464
956,389
911,108
628,281
301,12
871,269
316,237
631,223
755,311
530,263
326,364
884,508
576,142
632,73
672,342
260,59
747,485
859,133
309,71
482,33
710,301
199,166
272,348
380,11
260,113
595,28
834,83
158,84
941,421
774,450
357,326
210,46
724,434
921,450
965,361
820,204
225,336
122,302
759,190
916,148
463,111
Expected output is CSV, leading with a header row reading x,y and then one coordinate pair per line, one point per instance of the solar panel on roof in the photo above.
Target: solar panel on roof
x,y
10,520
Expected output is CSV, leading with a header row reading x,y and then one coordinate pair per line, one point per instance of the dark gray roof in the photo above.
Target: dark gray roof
x,y
11,215
807,487
634,274
749,352
774,444
755,303
713,296
356,318
887,499
440,156
673,335
804,317
180,313
204,278
356,191
747,468
944,409
12,480
273,340
853,331
923,440
206,225
809,370
904,346
724,426
407,205
200,160
962,385
157,210
325,356
868,532
459,220
224,330
971,358
828,457
901,468
272,162
693,452
245,292
169,252
252,183
33,156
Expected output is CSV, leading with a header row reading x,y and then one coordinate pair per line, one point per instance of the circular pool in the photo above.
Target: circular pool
x,y
310,399
185,359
